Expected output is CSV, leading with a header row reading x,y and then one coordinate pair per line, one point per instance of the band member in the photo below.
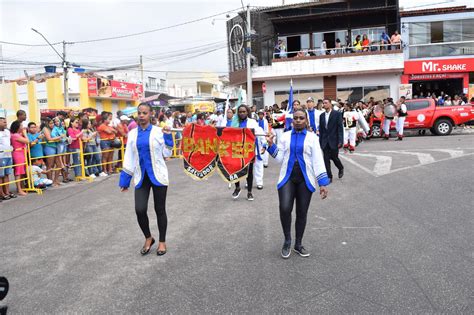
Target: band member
x,y
387,120
143,160
313,115
350,118
302,167
243,121
331,136
278,125
402,113
263,123
227,122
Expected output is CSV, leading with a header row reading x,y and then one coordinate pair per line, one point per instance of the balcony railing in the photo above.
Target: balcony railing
x,y
336,51
441,49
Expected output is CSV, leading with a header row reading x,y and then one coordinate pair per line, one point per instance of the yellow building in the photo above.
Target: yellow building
x,y
45,92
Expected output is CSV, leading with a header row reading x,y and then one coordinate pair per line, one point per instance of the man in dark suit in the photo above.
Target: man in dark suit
x,y
331,137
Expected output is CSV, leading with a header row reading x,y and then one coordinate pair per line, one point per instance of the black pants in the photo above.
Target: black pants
x,y
141,206
333,155
249,179
294,189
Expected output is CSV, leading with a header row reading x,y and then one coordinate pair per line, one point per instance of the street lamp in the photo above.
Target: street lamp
x,y
65,65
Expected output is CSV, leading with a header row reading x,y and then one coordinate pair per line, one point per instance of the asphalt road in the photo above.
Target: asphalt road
x,y
394,235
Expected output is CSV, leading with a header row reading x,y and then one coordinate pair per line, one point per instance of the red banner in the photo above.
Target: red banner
x,y
99,87
439,66
231,148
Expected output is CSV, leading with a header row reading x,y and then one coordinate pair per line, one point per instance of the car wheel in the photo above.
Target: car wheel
x,y
376,131
443,127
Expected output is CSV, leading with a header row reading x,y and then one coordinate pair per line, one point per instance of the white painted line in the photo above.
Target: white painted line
x,y
348,227
383,163
424,158
358,165
324,219
452,153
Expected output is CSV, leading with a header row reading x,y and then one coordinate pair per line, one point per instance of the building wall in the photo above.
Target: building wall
x,y
54,91
9,100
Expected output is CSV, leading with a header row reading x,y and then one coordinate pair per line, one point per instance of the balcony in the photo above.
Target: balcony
x,y
338,62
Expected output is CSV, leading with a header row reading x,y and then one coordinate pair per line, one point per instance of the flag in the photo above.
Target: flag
x,y
289,111
235,119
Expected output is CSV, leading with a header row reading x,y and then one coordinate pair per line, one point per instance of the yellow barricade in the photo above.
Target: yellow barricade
x,y
176,147
27,171
122,149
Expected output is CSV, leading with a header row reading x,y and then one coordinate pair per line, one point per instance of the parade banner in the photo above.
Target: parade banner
x,y
206,148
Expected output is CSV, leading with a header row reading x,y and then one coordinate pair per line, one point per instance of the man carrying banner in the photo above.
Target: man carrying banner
x,y
302,167
244,121
263,123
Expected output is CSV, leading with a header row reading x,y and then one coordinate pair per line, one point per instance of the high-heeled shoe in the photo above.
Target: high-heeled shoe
x,y
144,250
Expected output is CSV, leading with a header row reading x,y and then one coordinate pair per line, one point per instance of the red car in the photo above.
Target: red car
x,y
425,114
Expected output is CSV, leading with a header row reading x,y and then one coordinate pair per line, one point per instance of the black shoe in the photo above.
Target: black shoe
x,y
259,187
160,252
330,180
250,197
300,250
341,173
265,166
286,251
236,193
144,250
399,139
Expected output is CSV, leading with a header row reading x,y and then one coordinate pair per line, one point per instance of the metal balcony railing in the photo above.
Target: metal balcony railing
x,y
336,51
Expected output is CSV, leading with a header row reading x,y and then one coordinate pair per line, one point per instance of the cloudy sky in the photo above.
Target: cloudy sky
x,y
168,49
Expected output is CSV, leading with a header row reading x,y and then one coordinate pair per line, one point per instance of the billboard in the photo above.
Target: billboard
x,y
439,66
104,88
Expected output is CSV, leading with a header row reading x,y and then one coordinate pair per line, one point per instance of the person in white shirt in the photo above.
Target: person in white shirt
x,y
263,123
402,113
5,160
350,118
302,168
116,120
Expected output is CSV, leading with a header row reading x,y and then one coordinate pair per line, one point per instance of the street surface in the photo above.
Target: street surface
x,y
394,235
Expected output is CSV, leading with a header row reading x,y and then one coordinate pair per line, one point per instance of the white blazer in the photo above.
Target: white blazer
x,y
158,150
314,170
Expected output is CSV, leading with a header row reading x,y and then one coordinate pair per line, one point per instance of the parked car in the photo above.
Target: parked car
x,y
424,114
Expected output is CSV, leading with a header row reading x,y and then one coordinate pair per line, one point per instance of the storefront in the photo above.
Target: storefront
x,y
450,76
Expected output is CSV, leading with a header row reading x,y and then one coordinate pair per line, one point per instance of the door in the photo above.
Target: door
x,y
420,113
330,39
294,45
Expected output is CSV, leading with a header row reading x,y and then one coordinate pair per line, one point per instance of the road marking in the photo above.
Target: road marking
x,y
347,227
424,158
383,163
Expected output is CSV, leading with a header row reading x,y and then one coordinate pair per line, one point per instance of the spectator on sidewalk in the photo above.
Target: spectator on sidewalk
x,y
19,142
5,160
35,138
75,134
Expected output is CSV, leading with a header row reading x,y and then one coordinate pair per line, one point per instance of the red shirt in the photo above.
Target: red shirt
x,y
73,133
103,134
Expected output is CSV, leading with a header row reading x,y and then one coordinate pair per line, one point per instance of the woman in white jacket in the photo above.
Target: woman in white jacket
x,y
302,166
147,145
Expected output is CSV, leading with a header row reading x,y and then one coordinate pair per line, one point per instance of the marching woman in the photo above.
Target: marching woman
x,y
263,123
302,166
146,147
243,120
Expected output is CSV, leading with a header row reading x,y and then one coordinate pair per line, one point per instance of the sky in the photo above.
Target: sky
x,y
165,50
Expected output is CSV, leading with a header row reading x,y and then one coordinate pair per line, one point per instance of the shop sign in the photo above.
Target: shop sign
x,y
439,66
439,76
104,88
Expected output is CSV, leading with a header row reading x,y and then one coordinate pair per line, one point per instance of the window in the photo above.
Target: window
x,y
416,105
152,83
23,103
300,95
373,34
128,103
354,94
436,32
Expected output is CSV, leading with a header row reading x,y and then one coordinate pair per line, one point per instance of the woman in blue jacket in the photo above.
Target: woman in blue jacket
x,y
302,166
147,146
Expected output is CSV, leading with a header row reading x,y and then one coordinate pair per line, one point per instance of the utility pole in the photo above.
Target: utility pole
x,y
141,71
65,79
249,54
65,65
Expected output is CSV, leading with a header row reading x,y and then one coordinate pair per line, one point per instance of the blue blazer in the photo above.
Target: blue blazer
x,y
333,134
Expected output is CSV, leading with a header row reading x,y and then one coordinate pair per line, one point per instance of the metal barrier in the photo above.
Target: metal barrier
x,y
84,167
176,147
27,171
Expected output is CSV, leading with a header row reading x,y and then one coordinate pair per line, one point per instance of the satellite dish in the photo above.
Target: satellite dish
x,y
236,39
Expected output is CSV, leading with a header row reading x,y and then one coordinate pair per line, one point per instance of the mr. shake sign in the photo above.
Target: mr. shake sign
x,y
439,66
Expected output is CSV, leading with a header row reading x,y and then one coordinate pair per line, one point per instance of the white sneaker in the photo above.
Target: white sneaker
x,y
102,174
92,176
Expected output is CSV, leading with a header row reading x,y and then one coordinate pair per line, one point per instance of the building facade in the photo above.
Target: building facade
x,y
439,55
314,45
